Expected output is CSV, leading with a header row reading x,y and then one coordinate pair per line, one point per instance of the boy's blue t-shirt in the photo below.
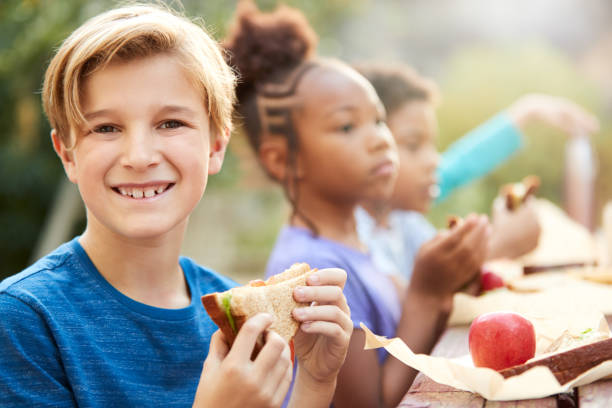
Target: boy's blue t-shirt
x,y
68,338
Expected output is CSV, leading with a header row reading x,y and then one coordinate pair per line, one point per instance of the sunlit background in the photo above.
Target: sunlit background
x,y
483,54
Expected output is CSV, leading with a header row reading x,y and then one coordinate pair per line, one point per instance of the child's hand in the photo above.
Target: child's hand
x,y
558,112
229,377
322,341
515,233
452,259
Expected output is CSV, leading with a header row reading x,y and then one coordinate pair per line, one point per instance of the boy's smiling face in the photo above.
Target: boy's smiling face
x,y
142,163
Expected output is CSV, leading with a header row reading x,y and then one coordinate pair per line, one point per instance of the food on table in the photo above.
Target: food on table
x,y
454,221
515,194
569,364
490,280
500,340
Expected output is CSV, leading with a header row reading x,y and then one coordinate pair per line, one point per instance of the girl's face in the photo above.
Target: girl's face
x,y
346,152
414,128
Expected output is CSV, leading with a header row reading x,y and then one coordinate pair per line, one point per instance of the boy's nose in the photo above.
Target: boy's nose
x,y
140,152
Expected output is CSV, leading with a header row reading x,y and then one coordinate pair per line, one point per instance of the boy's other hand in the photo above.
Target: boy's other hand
x,y
231,379
322,341
452,259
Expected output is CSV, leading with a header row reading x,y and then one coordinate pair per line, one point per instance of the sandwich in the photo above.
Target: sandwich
x,y
232,308
454,221
515,194
567,364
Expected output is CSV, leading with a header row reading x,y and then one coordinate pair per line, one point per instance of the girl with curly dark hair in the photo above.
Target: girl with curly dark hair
x,y
318,128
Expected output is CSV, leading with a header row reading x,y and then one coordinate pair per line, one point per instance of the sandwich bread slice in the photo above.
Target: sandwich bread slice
x,y
232,308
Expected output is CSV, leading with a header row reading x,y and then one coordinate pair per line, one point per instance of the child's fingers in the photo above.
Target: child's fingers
x,y
332,330
328,277
328,313
319,294
273,359
247,336
217,351
455,236
218,345
283,387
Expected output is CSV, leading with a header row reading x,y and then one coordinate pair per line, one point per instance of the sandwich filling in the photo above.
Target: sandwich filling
x,y
226,301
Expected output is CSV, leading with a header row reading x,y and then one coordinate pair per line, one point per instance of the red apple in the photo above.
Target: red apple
x,y
500,340
490,280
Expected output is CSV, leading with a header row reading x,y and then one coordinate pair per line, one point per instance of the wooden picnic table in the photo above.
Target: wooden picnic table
x,y
425,392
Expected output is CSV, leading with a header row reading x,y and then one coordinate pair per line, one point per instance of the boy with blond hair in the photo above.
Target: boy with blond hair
x,y
140,102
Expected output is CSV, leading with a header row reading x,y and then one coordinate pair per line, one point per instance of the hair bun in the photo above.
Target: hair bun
x,y
262,44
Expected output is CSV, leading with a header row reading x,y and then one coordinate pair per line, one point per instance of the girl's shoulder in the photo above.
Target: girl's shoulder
x,y
296,245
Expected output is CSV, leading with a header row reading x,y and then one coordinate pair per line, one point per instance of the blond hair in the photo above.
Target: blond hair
x,y
128,33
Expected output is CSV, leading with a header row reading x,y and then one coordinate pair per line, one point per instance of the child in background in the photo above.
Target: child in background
x,y
140,101
318,128
396,230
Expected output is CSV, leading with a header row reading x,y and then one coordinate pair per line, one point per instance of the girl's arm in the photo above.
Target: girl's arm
x,y
443,266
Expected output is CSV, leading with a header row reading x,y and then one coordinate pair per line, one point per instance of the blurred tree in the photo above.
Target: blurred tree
x,y
481,81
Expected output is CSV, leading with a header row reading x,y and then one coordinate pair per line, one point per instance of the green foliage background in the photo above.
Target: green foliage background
x,y
476,82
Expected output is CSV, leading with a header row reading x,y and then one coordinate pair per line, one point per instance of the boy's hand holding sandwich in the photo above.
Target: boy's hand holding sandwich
x,y
303,307
231,379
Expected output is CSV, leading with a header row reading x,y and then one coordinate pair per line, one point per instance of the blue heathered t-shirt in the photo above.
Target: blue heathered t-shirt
x,y
370,294
68,338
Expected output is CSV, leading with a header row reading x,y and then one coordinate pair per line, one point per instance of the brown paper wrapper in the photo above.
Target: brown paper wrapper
x,y
537,382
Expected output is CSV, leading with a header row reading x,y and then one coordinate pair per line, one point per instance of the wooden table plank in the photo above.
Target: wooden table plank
x,y
597,394
451,399
549,402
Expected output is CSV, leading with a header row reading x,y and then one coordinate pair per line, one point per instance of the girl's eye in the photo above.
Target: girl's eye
x,y
412,145
347,128
105,129
380,122
171,124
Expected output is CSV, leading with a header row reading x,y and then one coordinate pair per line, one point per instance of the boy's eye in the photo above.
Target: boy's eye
x,y
171,124
105,129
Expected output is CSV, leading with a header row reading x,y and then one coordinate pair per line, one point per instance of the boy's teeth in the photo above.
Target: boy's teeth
x,y
140,192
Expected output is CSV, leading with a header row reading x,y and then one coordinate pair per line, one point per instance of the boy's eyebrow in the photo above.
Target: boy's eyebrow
x,y
165,109
177,109
95,114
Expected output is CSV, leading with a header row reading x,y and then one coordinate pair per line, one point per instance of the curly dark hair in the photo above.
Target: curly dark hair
x,y
270,53
397,84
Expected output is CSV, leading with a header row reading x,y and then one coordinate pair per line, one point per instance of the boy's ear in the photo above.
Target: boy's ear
x,y
65,156
217,152
274,154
